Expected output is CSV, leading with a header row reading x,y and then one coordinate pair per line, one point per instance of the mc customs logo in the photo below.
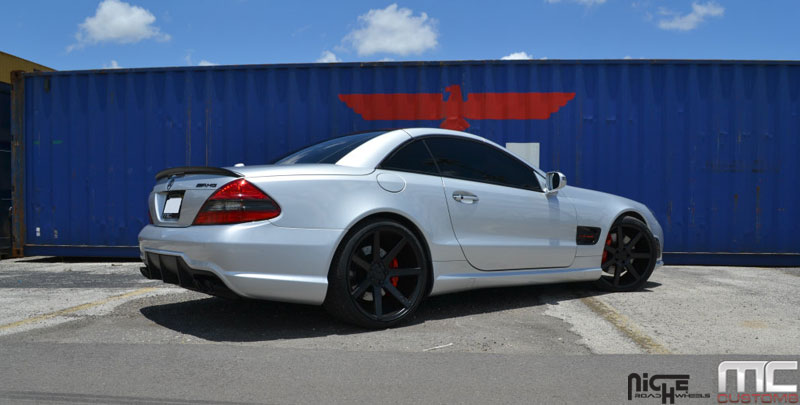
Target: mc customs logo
x,y
764,375
455,111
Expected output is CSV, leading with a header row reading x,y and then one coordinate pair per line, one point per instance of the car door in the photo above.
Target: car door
x,y
500,215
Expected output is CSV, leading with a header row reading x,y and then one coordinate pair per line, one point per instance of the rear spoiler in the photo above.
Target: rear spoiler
x,y
180,171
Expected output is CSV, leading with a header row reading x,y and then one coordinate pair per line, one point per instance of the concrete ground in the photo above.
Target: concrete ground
x,y
98,332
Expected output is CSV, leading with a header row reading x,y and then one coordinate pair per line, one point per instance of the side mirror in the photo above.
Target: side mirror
x,y
555,181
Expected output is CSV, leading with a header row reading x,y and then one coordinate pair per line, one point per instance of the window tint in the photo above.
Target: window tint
x,y
330,151
412,157
478,161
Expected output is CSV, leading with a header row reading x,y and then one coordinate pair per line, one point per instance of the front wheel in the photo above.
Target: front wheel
x,y
629,256
379,275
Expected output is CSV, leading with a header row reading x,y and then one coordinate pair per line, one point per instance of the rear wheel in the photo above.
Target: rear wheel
x,y
379,275
629,256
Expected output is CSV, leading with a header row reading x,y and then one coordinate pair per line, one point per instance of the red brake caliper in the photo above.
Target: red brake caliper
x,y
608,243
395,264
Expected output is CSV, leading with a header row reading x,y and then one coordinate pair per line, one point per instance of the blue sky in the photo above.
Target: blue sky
x,y
89,34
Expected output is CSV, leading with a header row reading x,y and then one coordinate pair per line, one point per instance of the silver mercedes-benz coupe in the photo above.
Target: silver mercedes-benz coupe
x,y
370,224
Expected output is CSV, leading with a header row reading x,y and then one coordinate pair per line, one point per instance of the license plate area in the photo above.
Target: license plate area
x,y
172,206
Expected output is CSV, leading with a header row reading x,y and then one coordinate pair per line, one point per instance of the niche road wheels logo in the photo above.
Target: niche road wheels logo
x,y
767,389
666,387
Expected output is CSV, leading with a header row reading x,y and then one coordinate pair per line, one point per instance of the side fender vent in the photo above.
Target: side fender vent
x,y
587,235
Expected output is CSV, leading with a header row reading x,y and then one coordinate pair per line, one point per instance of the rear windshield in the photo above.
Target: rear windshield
x,y
330,151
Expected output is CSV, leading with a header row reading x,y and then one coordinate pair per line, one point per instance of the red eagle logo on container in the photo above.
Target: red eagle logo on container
x,y
455,111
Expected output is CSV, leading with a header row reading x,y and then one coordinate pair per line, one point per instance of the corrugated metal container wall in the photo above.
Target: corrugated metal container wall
x,y
8,64
710,147
5,169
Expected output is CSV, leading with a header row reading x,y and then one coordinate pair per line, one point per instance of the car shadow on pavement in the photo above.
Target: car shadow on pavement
x,y
230,320
224,320
489,300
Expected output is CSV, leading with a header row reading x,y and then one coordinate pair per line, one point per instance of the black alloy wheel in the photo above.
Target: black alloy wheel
x,y
629,256
379,276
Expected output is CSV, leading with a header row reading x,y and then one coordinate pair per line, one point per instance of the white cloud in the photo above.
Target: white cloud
x,y
328,57
203,62
517,56
301,30
119,22
112,65
628,57
690,21
393,30
583,2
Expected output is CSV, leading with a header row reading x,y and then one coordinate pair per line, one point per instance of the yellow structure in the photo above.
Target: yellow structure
x,y
10,63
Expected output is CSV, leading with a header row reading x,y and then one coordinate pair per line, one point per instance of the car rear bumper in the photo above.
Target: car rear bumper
x,y
253,260
174,270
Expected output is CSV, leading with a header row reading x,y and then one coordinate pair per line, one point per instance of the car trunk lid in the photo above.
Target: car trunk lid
x,y
180,192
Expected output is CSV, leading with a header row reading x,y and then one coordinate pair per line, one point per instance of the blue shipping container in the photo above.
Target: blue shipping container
x,y
5,169
710,146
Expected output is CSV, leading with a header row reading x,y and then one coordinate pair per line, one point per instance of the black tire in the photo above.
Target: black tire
x,y
380,290
630,255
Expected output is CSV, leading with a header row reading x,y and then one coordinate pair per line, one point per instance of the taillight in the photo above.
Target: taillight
x,y
235,202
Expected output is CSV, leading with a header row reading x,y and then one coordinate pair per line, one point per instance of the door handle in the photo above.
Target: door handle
x,y
465,198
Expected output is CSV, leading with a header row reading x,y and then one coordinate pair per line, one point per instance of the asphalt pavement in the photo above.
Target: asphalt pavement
x,y
97,332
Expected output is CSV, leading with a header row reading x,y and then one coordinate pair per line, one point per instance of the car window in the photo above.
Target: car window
x,y
412,157
330,151
479,161
542,180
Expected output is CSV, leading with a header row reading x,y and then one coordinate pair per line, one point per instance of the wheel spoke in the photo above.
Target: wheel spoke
x,y
635,239
369,274
361,289
388,286
376,246
411,271
620,255
632,270
360,262
387,260
376,296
